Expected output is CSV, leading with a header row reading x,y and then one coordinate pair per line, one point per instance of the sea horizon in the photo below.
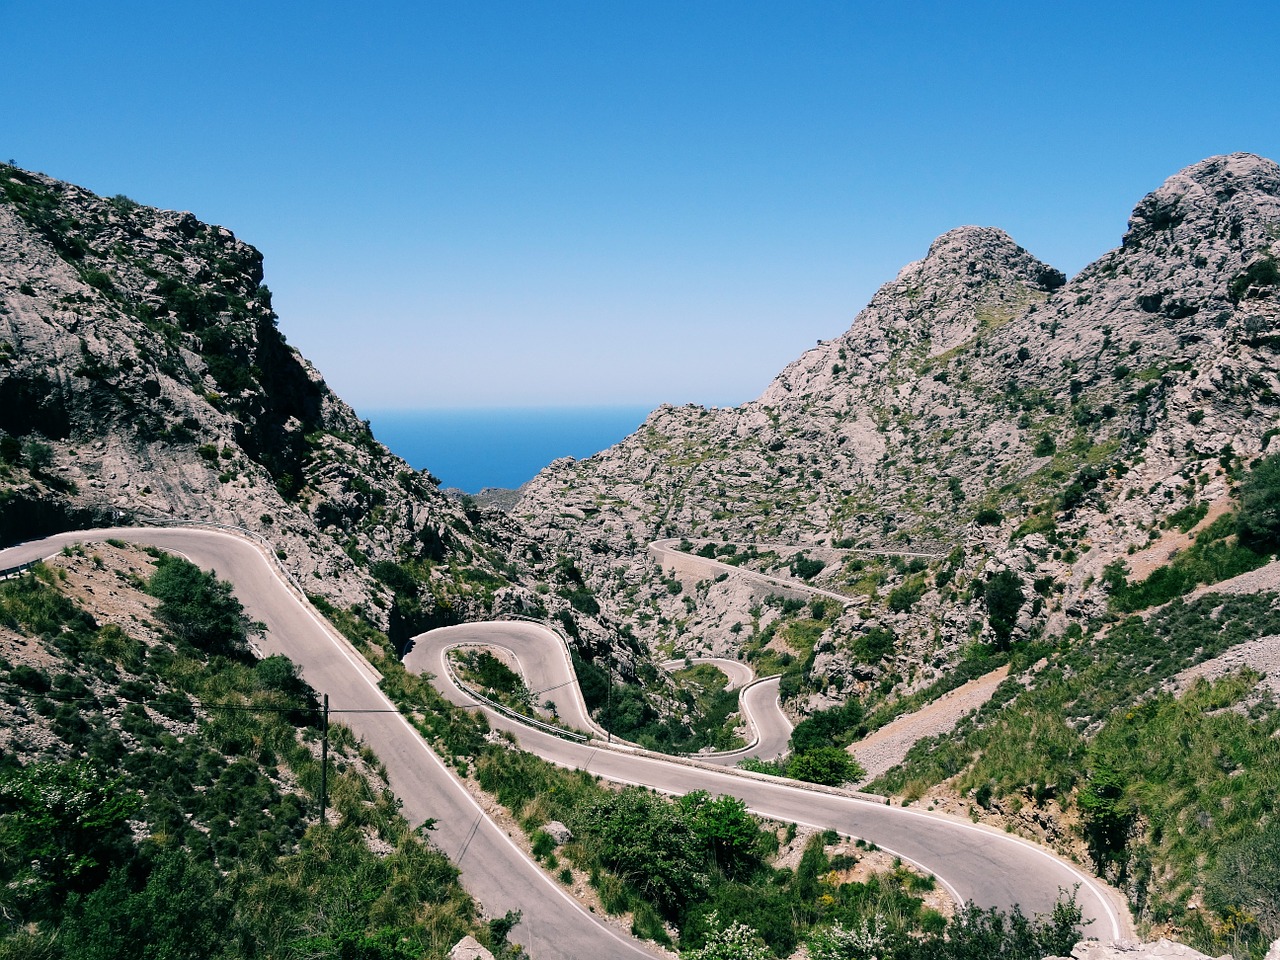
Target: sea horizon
x,y
500,447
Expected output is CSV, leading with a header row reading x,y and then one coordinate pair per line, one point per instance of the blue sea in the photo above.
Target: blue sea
x,y
474,449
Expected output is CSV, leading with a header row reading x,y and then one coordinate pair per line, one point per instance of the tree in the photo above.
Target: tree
x,y
1003,598
1108,812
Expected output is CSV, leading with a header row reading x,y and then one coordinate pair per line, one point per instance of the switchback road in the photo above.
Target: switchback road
x,y
972,862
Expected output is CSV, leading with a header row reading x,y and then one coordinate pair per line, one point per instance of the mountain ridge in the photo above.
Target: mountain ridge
x,y
979,379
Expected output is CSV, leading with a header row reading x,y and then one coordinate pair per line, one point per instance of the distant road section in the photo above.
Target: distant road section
x,y
973,862
677,561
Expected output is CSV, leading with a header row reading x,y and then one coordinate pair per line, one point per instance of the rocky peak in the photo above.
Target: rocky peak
x,y
1196,277
984,254
972,279
978,383
1237,195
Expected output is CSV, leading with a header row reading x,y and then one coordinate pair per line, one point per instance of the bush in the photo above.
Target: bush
x,y
66,821
1261,273
806,568
833,725
826,765
1258,522
1247,879
903,598
647,842
199,608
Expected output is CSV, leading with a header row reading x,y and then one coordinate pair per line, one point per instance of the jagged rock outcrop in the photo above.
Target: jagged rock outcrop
x,y
982,410
142,376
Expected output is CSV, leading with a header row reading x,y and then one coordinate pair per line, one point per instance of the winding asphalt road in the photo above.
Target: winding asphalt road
x,y
971,861
759,705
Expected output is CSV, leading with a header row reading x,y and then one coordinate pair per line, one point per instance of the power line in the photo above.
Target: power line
x,y
244,707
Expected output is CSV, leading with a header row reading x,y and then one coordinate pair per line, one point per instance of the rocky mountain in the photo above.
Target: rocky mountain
x,y
143,378
983,414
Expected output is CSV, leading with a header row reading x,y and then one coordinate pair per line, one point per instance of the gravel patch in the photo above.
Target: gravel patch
x,y
1262,655
888,746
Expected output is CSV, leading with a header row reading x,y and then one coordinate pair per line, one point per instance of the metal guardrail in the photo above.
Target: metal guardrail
x,y
503,708
18,570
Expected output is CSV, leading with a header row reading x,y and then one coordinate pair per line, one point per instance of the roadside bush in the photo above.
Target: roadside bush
x,y
646,841
806,568
199,608
834,725
826,765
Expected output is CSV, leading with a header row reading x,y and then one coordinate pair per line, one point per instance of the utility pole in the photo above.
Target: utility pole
x,y
608,694
324,760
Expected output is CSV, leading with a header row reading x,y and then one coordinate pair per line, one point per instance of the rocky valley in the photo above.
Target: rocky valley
x,y
995,468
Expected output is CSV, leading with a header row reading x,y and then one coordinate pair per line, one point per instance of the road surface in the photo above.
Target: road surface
x,y
971,861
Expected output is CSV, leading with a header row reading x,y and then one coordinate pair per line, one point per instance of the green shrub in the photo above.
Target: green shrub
x,y
1258,522
904,597
806,568
826,765
1264,272
197,607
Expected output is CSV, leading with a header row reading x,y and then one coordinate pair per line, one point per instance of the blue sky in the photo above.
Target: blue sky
x,y
609,202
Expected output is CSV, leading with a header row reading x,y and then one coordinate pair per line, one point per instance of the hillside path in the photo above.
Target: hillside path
x,y
886,747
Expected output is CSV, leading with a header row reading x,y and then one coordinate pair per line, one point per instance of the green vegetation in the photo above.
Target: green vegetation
x,y
1217,554
1258,522
700,864
1170,790
1263,272
628,709
482,671
828,765
806,568
1187,517
199,609
168,807
1003,598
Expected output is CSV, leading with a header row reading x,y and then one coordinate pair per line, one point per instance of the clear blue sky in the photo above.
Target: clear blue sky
x,y
494,203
